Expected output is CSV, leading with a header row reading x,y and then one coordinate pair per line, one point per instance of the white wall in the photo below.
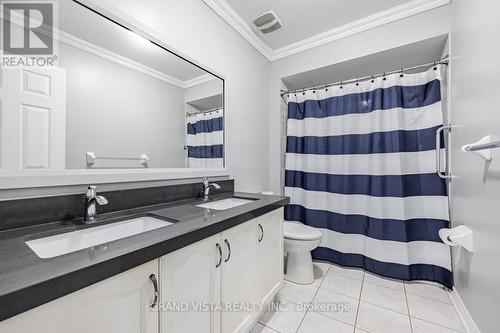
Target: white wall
x,y
113,110
195,30
410,30
475,192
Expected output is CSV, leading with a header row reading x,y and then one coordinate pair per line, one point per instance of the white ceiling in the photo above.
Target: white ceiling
x,y
84,24
304,19
208,103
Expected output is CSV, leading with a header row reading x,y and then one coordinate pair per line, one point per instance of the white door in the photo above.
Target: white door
x,y
236,278
33,118
120,304
268,269
190,280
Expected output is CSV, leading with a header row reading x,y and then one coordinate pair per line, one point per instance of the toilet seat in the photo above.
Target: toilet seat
x,y
302,232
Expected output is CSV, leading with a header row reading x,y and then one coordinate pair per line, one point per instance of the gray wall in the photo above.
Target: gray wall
x,y
116,111
475,192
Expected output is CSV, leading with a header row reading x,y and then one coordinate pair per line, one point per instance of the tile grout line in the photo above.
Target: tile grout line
x,y
324,277
431,300
339,293
317,290
316,293
408,307
272,329
428,298
386,308
359,302
440,325
336,292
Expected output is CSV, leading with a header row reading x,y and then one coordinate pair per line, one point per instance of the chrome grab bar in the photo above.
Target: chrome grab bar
x,y
438,152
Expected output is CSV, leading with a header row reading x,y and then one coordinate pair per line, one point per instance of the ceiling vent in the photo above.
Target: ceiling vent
x,y
267,22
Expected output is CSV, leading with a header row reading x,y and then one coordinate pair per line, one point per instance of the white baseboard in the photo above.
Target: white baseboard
x,y
467,321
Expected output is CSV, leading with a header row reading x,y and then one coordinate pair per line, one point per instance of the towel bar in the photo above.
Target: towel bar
x,y
483,147
91,157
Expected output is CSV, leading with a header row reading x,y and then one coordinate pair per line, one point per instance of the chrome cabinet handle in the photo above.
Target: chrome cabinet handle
x,y
229,250
220,255
152,277
261,233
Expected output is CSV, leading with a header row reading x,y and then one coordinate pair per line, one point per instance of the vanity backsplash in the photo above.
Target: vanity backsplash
x,y
27,212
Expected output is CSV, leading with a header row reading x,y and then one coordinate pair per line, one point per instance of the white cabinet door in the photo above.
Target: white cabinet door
x,y
191,277
268,269
236,278
120,304
32,118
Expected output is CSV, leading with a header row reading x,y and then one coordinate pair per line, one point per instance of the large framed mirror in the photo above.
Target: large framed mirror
x,y
113,99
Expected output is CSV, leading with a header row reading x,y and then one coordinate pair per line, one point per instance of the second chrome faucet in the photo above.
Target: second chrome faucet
x,y
206,188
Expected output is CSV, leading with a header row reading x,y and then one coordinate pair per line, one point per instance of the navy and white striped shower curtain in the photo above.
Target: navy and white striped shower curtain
x,y
205,140
360,167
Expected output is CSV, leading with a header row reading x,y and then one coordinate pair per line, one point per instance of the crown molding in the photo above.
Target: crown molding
x,y
228,14
84,45
414,7
381,18
199,80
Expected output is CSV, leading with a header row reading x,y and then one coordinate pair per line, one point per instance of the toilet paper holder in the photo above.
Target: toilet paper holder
x,y
458,236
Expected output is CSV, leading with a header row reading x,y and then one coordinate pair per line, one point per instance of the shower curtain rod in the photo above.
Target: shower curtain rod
x,y
443,61
203,111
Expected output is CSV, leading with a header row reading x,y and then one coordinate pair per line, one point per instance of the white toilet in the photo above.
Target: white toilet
x,y
299,241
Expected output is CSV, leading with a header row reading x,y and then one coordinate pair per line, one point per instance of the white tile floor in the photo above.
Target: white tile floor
x,y
371,305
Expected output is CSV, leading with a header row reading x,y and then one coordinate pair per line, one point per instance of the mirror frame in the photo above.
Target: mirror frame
x,y
14,179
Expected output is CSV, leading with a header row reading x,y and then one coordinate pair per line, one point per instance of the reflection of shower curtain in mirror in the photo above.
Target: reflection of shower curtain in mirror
x,y
205,140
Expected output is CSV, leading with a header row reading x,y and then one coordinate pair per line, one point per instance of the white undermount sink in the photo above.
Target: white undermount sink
x,y
53,246
225,203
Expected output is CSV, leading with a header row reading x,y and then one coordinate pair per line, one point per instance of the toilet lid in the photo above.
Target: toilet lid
x,y
300,231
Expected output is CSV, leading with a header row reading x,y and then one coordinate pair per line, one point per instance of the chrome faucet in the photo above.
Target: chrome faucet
x,y
91,202
206,188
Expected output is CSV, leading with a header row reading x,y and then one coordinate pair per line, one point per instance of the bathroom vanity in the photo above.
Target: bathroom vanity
x,y
204,270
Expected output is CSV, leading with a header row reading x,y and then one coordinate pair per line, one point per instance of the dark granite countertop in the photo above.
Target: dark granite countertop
x,y
27,281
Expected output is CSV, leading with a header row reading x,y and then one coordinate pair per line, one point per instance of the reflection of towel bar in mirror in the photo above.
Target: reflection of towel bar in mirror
x,y
91,158
483,147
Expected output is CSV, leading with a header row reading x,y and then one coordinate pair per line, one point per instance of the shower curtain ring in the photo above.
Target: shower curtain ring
x,y
402,73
